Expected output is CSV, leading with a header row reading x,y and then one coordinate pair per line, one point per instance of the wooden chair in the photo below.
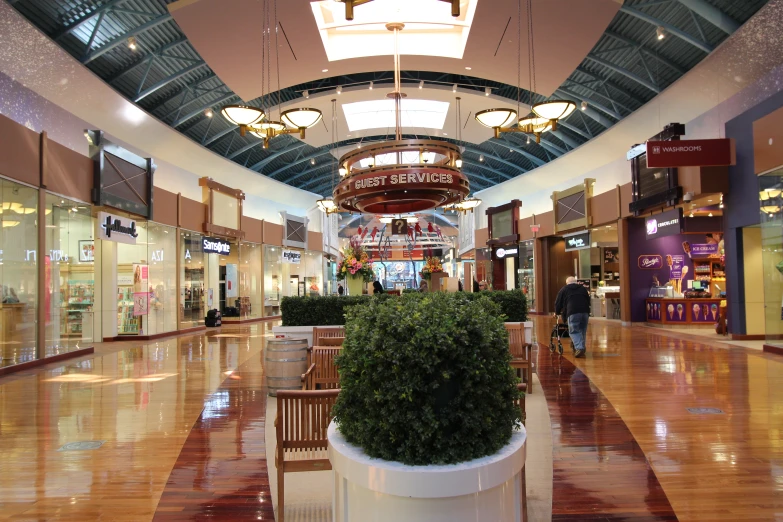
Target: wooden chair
x,y
519,352
301,423
321,371
331,341
319,332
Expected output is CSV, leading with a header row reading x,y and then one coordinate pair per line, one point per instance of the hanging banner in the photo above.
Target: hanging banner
x,y
292,256
232,290
689,153
140,278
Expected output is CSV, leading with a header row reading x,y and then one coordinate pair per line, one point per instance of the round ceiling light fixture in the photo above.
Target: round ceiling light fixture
x,y
301,118
493,118
242,115
554,110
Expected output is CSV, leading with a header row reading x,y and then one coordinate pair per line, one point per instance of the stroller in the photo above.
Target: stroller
x,y
559,332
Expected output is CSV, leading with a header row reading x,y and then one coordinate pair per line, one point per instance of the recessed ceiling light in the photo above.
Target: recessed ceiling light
x,y
467,68
454,88
608,226
445,133
324,70
709,200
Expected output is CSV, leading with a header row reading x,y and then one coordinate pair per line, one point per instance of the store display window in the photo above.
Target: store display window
x,y
250,265
314,273
771,205
192,304
18,272
146,281
527,274
70,275
273,275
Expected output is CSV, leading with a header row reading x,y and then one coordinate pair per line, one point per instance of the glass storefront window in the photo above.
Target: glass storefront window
x,y
273,276
18,272
314,273
527,274
250,300
162,263
70,275
192,305
771,203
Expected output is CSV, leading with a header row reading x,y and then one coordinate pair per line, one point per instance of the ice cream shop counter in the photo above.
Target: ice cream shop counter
x,y
682,311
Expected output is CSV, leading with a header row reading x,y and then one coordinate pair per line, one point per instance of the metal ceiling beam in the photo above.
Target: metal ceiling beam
x,y
276,155
480,165
713,15
565,93
538,162
195,112
649,52
625,72
146,59
102,9
245,149
183,103
165,81
297,162
219,135
491,156
123,38
609,83
669,28
597,93
565,138
574,128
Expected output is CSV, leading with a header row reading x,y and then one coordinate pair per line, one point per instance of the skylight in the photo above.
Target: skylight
x,y
430,30
377,114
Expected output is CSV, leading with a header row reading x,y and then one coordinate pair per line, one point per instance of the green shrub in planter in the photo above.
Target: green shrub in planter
x,y
426,379
513,303
320,311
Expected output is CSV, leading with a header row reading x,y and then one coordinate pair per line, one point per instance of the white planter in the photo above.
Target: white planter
x,y
297,332
485,489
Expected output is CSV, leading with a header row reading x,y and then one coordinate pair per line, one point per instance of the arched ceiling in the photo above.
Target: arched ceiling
x,y
165,75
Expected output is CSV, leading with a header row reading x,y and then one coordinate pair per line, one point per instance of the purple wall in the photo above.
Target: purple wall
x,y
638,244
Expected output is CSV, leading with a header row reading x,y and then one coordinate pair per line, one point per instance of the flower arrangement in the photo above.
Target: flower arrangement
x,y
355,262
431,266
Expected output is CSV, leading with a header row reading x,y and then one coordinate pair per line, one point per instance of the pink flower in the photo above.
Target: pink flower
x,y
358,265
353,271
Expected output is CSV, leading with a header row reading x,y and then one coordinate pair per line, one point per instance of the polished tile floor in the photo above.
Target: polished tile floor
x,y
182,426
712,467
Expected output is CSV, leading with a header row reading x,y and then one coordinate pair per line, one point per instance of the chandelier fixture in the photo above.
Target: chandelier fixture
x,y
350,4
327,204
545,115
400,176
253,119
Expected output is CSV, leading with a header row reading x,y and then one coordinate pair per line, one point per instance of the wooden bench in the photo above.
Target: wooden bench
x,y
301,423
519,352
321,371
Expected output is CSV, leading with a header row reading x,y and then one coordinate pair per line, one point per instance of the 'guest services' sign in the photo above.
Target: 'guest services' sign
x,y
578,241
667,223
116,228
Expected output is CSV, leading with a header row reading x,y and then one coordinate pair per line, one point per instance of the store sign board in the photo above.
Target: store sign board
x,y
506,252
115,228
292,256
688,153
578,241
650,262
701,249
214,245
664,224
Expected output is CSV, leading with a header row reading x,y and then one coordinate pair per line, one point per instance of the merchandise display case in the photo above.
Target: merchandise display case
x,y
127,324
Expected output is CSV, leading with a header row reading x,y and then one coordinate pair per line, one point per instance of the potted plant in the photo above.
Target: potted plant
x,y
355,266
432,265
427,402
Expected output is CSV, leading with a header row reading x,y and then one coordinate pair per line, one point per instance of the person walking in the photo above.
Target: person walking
x,y
573,304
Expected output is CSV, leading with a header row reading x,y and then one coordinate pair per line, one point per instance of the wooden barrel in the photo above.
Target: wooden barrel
x,y
286,361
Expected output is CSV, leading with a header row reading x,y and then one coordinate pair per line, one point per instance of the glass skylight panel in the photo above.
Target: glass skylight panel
x,y
430,30
378,114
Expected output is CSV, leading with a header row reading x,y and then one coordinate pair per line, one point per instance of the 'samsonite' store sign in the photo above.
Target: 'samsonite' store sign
x,y
116,228
402,179
689,153
213,245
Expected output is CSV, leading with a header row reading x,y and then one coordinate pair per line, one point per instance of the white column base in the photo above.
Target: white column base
x,y
488,489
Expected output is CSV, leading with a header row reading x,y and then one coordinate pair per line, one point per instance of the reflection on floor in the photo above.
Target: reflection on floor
x,y
182,423
712,467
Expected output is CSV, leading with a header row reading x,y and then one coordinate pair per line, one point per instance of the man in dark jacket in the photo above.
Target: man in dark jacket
x,y
573,303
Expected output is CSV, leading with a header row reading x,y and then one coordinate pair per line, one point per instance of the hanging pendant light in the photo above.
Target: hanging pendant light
x,y
496,117
554,110
535,125
301,118
242,115
328,205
